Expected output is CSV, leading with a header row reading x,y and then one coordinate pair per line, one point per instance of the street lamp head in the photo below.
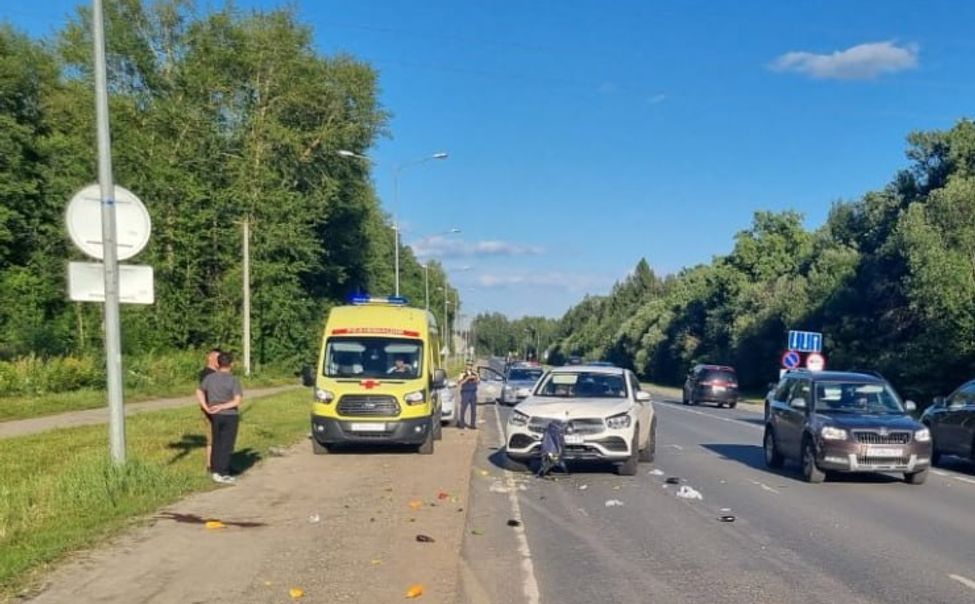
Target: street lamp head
x,y
441,155
352,154
454,231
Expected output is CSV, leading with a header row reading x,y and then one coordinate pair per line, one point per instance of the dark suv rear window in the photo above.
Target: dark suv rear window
x,y
721,375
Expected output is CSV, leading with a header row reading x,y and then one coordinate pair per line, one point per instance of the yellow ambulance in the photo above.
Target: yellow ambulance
x,y
378,377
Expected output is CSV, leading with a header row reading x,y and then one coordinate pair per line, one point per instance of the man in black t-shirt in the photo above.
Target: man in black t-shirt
x,y
211,367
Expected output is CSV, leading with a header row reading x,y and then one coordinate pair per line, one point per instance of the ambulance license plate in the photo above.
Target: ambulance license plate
x,y
368,427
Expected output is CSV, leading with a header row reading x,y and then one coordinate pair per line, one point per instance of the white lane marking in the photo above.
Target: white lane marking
x,y
940,473
963,580
724,419
529,584
678,447
764,486
963,479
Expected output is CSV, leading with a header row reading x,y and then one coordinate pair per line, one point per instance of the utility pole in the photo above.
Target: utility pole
x,y
113,347
247,295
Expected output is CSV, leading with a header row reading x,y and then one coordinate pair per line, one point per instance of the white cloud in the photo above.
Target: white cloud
x,y
439,247
575,282
861,62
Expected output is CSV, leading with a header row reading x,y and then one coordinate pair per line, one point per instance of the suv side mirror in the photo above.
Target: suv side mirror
x,y
439,379
307,376
643,397
798,403
911,406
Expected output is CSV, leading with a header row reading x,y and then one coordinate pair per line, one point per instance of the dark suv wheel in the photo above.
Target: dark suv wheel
x,y
773,458
810,471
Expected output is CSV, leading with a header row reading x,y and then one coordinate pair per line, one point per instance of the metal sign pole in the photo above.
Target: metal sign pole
x,y
113,352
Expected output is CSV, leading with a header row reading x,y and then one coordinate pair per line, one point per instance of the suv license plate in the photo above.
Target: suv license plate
x,y
370,427
573,439
884,452
718,388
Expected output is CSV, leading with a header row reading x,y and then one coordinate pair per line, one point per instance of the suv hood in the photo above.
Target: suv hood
x,y
573,407
867,422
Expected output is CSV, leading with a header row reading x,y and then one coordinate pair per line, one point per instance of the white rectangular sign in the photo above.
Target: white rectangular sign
x,y
86,283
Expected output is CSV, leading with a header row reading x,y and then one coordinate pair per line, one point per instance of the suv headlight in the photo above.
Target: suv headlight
x,y
415,398
517,418
618,422
923,435
324,396
831,433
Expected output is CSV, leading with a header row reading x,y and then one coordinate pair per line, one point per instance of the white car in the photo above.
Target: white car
x,y
448,402
609,418
518,384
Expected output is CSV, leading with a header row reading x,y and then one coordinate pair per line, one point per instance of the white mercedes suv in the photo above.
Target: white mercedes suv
x,y
608,417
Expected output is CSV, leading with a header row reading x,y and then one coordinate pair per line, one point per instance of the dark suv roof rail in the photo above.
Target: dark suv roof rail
x,y
868,372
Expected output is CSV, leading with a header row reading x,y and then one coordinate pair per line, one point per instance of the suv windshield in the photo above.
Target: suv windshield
x,y
857,398
583,385
524,375
390,358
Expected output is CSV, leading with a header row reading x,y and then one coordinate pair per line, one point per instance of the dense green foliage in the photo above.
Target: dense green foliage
x,y
527,337
889,279
216,118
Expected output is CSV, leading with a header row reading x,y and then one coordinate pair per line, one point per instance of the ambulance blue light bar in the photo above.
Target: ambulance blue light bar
x,y
359,300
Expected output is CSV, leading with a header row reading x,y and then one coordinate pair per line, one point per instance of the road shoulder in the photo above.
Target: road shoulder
x,y
339,527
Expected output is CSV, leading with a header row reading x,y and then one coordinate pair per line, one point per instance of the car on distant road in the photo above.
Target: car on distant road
x,y
951,420
608,418
834,421
518,383
711,384
601,364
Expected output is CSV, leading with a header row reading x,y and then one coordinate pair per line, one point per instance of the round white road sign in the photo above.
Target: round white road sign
x,y
84,221
815,362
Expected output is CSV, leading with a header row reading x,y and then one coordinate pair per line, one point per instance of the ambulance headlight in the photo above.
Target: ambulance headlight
x,y
415,398
324,396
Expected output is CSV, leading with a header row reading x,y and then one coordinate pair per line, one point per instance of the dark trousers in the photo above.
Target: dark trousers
x,y
224,437
468,400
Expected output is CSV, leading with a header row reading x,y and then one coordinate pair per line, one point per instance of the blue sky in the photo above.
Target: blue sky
x,y
584,135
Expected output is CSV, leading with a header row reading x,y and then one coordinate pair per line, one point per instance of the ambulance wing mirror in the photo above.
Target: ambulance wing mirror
x,y
307,376
439,379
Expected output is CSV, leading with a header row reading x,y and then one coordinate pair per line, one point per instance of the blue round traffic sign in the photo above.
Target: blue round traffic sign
x,y
791,359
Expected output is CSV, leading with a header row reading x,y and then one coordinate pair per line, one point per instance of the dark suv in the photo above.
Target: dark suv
x,y
952,423
712,384
844,422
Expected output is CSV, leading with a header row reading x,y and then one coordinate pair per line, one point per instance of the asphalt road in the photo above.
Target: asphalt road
x,y
866,538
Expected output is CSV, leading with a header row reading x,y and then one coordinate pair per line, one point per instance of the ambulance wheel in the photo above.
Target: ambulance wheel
x,y
427,447
318,448
437,428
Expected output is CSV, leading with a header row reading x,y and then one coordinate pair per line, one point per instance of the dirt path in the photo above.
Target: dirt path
x,y
340,527
88,417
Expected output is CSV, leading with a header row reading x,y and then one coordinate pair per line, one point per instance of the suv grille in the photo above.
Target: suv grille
x,y
368,405
872,437
592,425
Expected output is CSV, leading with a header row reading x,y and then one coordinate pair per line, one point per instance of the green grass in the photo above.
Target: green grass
x,y
60,493
25,406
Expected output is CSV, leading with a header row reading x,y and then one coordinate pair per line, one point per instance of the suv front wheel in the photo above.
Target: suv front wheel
x,y
810,471
916,477
773,458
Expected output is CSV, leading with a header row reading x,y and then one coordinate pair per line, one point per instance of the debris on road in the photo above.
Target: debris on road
x,y
727,518
376,562
497,487
477,532
672,480
215,524
415,591
583,487
314,519
686,492
425,539
442,495
296,593
484,472
614,503
655,473
725,510
277,451
416,504
514,522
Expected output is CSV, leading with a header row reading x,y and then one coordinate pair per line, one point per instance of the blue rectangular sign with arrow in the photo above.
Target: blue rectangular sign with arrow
x,y
806,341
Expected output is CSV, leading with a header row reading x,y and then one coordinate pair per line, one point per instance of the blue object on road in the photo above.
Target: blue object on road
x,y
553,448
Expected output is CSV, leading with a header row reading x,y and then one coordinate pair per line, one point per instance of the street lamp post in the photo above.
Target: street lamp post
x,y
396,171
